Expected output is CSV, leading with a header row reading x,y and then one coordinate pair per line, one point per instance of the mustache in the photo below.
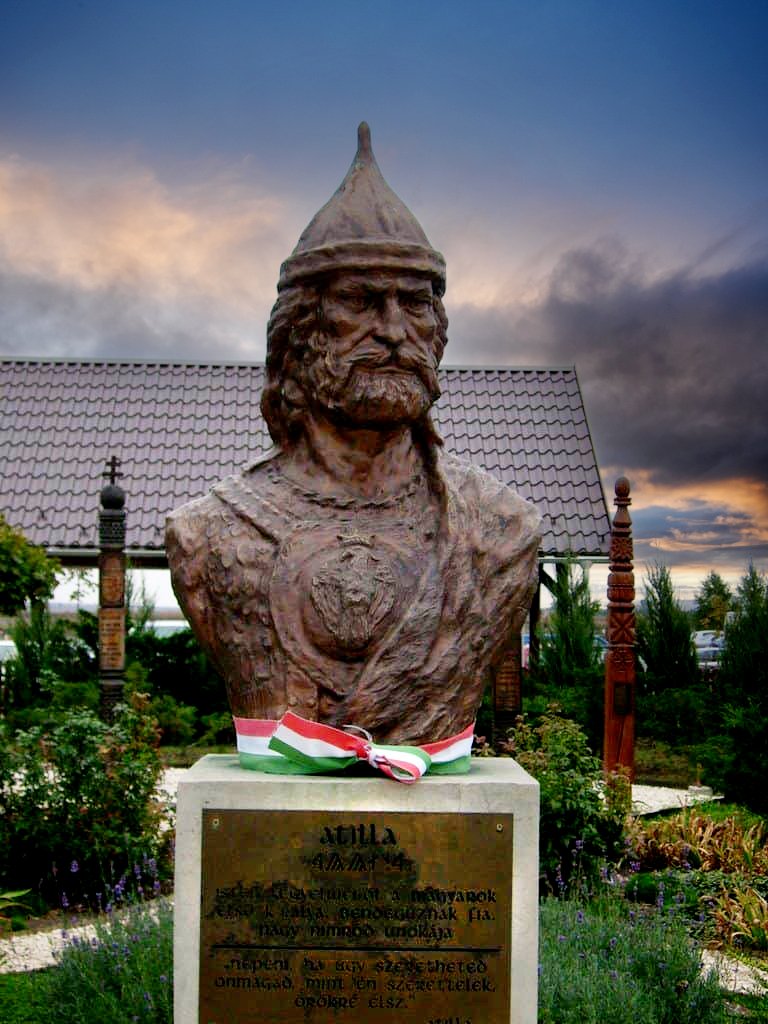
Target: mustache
x,y
407,357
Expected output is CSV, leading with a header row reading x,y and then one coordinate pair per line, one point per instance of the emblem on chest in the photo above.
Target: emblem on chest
x,y
338,594
352,594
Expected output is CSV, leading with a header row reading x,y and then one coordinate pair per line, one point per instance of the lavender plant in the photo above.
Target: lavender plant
x,y
121,969
604,961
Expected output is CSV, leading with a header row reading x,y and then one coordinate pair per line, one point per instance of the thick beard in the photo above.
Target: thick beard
x,y
365,396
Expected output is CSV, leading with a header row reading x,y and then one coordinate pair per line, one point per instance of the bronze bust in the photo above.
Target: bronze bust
x,y
357,574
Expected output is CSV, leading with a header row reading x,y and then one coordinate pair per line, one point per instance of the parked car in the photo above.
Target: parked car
x,y
7,650
707,638
167,627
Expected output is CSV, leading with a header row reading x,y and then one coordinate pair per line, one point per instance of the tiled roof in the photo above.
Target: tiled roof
x,y
177,428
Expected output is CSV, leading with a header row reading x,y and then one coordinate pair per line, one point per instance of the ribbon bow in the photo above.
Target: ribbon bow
x,y
297,746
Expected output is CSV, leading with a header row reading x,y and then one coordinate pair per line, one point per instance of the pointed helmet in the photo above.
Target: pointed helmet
x,y
363,226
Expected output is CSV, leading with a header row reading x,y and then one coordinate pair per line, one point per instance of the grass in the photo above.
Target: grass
x,y
185,757
657,764
22,998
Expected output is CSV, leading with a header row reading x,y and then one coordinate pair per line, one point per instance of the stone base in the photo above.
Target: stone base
x,y
701,792
228,817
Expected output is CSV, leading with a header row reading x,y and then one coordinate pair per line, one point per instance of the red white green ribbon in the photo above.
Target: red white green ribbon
x,y
296,746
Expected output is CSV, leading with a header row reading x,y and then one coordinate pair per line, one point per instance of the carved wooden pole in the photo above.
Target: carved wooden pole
x,y
111,592
619,732
507,689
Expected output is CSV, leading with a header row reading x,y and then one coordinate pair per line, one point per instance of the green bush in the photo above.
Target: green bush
x,y
606,962
77,806
176,665
582,814
177,722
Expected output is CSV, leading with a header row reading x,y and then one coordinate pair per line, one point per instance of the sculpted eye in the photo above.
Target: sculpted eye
x,y
416,303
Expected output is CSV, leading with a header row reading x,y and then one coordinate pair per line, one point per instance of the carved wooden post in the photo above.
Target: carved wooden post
x,y
507,689
111,592
619,732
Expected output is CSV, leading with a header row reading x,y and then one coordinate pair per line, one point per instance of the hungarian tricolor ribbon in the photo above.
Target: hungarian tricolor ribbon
x,y
299,747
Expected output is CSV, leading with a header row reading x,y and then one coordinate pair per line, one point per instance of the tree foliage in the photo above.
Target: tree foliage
x,y
713,602
664,636
736,758
672,697
26,573
570,671
49,655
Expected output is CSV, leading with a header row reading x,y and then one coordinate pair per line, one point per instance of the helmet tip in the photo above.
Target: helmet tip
x,y
364,140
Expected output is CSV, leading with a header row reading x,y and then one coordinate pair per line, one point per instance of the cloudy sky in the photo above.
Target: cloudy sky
x,y
595,172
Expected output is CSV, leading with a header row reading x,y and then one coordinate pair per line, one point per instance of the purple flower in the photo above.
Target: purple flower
x,y
580,917
579,844
561,938
613,942
64,900
614,975
74,867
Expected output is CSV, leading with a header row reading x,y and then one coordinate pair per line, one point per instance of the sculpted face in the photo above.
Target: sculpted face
x,y
375,359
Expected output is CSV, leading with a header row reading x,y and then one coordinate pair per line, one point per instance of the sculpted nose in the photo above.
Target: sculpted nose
x,y
390,326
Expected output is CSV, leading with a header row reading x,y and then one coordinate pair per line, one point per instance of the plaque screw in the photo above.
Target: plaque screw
x,y
215,822
499,828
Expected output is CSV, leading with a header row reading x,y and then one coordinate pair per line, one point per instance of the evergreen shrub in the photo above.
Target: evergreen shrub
x,y
583,814
735,754
77,803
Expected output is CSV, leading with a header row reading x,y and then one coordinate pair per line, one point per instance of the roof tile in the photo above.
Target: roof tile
x,y
177,428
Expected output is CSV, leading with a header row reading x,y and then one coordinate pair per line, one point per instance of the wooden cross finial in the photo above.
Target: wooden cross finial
x,y
111,471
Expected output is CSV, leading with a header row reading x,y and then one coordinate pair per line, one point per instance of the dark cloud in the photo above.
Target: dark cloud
x,y
674,370
726,538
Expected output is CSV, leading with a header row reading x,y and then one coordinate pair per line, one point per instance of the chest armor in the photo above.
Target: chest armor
x,y
337,577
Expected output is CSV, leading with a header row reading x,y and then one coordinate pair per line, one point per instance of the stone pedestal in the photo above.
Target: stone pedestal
x,y
352,898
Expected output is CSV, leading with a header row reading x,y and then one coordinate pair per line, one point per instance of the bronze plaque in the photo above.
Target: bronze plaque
x,y
349,917
112,638
112,579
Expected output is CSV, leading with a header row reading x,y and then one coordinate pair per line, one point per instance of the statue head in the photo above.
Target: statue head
x,y
359,327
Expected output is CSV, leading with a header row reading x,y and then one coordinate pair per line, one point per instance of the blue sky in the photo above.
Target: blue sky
x,y
595,173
